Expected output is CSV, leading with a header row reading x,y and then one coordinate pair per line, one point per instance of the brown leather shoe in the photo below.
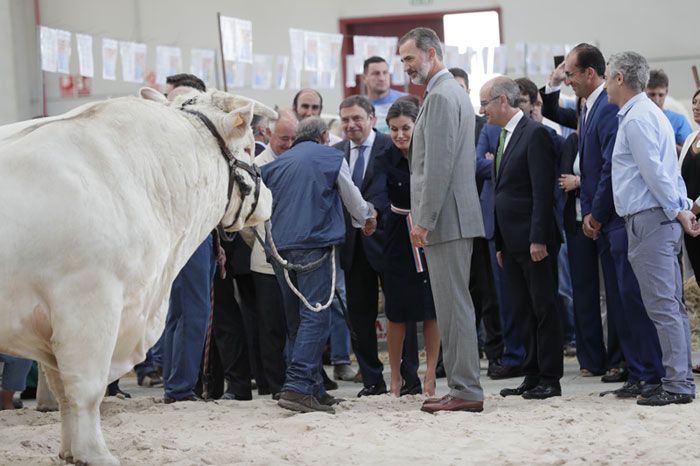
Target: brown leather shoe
x,y
450,403
432,401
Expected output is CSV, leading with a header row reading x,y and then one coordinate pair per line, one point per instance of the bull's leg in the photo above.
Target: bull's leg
x,y
83,341
56,385
45,401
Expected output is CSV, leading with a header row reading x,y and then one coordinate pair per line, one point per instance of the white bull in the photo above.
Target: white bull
x,y
99,211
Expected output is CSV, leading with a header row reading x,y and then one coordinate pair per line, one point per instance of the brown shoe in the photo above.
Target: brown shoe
x,y
450,403
432,401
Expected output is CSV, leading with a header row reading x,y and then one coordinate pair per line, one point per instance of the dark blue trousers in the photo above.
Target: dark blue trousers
x,y
513,347
186,324
638,337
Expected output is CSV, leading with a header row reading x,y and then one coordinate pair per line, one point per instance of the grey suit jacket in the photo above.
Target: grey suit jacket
x,y
444,199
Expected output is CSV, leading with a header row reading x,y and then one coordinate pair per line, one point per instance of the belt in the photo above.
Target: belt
x,y
665,222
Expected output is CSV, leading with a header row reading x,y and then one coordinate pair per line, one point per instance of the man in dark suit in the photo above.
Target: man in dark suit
x,y
527,237
584,70
360,256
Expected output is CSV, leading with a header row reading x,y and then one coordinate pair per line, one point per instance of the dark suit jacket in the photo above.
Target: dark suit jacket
x,y
566,167
373,190
486,142
524,190
596,144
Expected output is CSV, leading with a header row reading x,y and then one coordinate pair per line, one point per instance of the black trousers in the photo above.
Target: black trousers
x,y
272,329
229,334
483,290
362,283
533,289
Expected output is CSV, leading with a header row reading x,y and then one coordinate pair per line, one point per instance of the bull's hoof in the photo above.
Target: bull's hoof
x,y
66,456
46,409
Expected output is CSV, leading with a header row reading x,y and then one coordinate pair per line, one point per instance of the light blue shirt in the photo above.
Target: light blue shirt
x,y
381,108
681,127
645,171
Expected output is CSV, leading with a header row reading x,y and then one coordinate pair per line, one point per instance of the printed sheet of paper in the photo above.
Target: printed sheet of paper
x,y
85,60
168,62
63,51
262,71
49,49
110,49
281,67
202,64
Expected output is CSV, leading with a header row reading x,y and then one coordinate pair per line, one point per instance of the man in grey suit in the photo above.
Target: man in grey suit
x,y
446,212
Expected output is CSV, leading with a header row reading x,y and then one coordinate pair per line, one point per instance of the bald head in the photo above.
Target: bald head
x,y
500,98
307,102
282,132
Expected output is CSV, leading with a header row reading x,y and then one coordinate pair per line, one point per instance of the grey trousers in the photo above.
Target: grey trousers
x,y
449,264
654,243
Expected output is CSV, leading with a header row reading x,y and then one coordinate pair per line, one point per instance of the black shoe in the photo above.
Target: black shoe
x,y
302,403
276,396
379,389
498,372
168,400
542,392
663,398
522,388
615,375
328,384
414,389
330,400
633,390
233,396
29,393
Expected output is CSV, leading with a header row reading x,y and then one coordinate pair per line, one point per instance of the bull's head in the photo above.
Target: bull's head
x,y
231,116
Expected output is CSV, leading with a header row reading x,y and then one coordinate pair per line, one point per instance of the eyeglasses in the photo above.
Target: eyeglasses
x,y
484,103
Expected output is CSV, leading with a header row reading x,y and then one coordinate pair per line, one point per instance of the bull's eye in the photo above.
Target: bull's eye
x,y
247,150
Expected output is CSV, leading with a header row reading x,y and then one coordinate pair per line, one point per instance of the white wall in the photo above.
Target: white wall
x,y
658,31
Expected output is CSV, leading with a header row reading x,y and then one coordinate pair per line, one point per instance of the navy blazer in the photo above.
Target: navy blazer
x,y
595,147
373,190
487,142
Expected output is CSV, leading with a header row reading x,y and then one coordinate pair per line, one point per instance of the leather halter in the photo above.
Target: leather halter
x,y
234,164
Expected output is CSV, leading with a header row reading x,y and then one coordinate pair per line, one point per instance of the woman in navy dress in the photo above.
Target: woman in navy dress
x,y
407,293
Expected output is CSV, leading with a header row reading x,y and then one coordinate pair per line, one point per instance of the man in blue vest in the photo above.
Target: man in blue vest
x,y
308,183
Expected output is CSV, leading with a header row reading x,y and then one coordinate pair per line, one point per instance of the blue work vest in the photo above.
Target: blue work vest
x,y
306,208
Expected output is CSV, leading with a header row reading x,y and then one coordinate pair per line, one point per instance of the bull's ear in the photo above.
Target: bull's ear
x,y
237,123
149,93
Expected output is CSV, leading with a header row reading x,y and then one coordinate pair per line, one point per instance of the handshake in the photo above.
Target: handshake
x,y
370,225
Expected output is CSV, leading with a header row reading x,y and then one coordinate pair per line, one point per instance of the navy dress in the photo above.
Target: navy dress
x,y
407,293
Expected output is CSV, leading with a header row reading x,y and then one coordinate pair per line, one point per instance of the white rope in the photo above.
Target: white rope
x,y
275,254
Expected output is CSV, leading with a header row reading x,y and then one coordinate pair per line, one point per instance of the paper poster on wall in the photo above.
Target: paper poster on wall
x,y
202,64
294,81
546,60
110,49
133,57
281,67
244,41
500,59
85,60
398,75
336,46
262,71
228,37
534,59
311,50
236,74
296,45
168,62
350,74
518,58
63,53
49,49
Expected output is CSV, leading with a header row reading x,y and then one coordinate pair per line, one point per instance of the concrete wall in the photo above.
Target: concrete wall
x,y
643,25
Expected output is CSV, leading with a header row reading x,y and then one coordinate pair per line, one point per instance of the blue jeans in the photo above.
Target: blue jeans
x,y
186,324
565,301
14,373
307,331
340,334
153,361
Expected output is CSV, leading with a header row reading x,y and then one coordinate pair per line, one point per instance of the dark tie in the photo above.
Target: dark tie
x,y
501,148
581,127
359,171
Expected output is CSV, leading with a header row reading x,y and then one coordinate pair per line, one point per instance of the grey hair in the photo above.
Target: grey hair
x,y
425,38
633,67
507,87
311,128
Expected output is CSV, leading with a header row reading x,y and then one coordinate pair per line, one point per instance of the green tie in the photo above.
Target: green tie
x,y
499,151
